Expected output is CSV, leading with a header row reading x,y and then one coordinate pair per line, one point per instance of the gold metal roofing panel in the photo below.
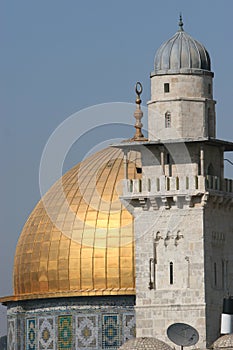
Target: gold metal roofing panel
x,y
79,239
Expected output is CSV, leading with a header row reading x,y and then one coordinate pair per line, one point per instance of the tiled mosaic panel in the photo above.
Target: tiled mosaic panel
x,y
11,335
20,330
46,333
65,332
31,334
110,332
87,332
129,327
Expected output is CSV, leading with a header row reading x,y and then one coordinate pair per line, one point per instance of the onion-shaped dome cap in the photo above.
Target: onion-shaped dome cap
x,y
145,343
225,342
181,54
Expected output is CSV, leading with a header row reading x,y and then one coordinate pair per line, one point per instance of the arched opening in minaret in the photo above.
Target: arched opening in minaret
x,y
167,119
168,168
210,170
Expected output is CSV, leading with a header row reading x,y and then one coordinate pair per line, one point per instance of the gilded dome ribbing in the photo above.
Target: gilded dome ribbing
x,y
79,240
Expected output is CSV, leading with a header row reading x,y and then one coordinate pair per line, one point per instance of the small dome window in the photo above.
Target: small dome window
x,y
166,87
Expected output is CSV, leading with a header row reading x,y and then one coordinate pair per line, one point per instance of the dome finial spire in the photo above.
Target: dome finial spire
x,y
181,23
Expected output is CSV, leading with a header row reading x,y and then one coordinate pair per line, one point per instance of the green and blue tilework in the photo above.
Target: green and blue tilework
x,y
71,324
110,332
31,334
46,333
87,332
65,333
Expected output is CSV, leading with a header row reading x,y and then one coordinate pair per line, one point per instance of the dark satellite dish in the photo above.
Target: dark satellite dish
x,y
182,334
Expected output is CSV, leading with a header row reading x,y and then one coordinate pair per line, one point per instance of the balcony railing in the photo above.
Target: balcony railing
x,y
182,185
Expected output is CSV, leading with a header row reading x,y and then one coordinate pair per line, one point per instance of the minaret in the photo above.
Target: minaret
x,y
182,104
182,206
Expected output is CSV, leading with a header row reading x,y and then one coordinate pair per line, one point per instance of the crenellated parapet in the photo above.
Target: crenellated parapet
x,y
166,191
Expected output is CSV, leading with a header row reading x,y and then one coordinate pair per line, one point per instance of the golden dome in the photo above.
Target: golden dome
x,y
79,238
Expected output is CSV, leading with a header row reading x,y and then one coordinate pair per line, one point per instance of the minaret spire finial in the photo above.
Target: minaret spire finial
x,y
138,114
181,23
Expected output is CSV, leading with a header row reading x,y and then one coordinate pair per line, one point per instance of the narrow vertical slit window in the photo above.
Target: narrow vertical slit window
x,y
215,274
199,167
167,120
169,165
149,185
210,123
226,275
171,272
223,274
166,87
209,88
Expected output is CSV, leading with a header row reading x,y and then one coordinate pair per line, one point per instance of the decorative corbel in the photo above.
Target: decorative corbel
x,y
154,203
178,237
189,200
158,237
165,202
204,199
167,238
143,203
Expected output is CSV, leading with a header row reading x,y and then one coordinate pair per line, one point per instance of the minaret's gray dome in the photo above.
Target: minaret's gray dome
x,y
181,54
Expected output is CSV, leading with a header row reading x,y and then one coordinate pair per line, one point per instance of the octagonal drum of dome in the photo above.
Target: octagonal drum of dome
x,y
79,239
145,343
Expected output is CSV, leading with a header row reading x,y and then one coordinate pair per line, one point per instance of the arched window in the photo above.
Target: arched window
x,y
167,120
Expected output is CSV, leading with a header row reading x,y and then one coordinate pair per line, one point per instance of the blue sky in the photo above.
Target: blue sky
x,y
58,57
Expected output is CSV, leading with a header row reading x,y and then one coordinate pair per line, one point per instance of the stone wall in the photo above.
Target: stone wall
x,y
218,226
170,236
